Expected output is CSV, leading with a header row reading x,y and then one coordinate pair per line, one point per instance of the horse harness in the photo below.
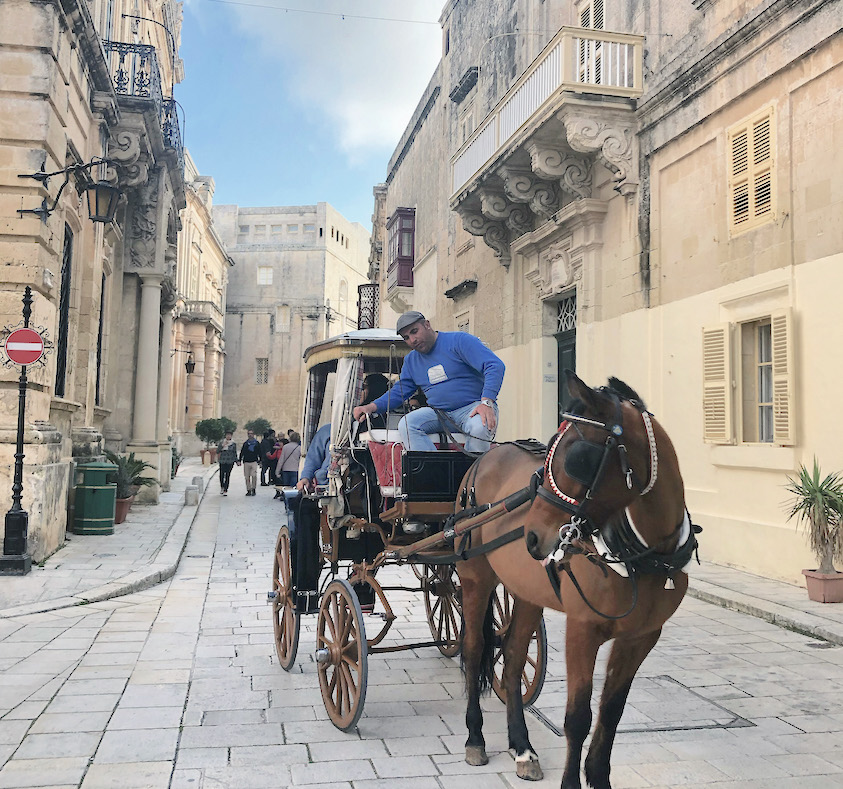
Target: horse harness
x,y
586,462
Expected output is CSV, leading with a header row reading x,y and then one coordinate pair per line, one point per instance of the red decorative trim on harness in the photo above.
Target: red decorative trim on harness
x,y
548,473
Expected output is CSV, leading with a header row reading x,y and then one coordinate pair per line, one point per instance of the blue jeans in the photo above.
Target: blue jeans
x,y
417,426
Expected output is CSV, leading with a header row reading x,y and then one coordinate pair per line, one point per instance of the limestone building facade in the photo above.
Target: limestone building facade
x,y
84,82
651,191
295,279
202,276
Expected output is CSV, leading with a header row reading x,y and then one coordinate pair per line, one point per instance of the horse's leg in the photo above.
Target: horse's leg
x,y
624,661
582,640
525,620
477,581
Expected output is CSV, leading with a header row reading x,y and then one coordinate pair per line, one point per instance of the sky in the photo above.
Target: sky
x,y
287,108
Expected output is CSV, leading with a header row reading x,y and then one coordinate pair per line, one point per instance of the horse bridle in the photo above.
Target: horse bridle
x,y
580,523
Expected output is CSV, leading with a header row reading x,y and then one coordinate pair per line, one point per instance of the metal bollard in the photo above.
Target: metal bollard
x,y
198,483
191,496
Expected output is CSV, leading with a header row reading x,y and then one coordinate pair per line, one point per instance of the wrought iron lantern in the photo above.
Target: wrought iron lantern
x,y
190,365
101,207
102,201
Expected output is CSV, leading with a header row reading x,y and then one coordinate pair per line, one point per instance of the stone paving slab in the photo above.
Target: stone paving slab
x,y
143,551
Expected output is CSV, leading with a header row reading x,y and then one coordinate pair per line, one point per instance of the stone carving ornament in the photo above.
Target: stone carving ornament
x,y
612,142
573,172
523,186
129,167
495,205
494,233
144,223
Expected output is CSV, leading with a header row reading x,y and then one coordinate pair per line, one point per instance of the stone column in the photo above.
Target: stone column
x,y
144,441
210,381
196,387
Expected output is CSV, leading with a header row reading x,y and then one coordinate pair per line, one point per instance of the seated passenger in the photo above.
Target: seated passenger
x,y
459,376
316,462
374,386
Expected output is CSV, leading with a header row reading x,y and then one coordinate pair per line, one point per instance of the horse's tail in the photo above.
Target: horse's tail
x,y
486,671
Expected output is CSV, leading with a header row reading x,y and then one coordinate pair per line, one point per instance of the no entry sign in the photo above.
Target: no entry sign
x,y
24,346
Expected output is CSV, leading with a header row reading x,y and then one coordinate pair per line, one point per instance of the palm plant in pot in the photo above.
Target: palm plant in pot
x,y
129,478
818,505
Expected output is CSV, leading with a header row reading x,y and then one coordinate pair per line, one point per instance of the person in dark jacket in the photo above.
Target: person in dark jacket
x,y
250,456
267,446
227,454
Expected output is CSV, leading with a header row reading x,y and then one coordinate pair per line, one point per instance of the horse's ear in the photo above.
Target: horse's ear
x,y
578,389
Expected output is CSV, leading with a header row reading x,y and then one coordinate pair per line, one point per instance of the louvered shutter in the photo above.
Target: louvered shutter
x,y
781,323
717,384
751,178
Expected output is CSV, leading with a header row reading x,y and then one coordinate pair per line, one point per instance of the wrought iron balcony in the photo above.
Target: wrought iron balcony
x,y
576,60
135,72
368,305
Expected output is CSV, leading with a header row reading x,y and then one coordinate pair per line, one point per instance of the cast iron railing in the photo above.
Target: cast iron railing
x,y
135,72
368,302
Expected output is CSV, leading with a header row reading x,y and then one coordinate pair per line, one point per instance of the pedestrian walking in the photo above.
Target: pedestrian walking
x,y
227,456
267,465
287,464
250,455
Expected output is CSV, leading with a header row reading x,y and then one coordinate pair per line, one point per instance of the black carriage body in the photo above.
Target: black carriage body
x,y
433,476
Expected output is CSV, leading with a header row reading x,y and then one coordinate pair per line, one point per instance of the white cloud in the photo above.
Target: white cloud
x,y
363,77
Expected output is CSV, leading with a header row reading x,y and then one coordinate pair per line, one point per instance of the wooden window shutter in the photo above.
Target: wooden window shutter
x,y
717,384
751,179
781,323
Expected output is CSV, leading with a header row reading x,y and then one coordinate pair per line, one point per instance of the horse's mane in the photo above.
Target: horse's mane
x,y
617,387
625,391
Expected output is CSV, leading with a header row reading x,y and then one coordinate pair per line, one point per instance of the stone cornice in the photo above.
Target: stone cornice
x,y
696,77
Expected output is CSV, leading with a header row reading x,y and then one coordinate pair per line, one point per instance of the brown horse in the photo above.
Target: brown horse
x,y
610,464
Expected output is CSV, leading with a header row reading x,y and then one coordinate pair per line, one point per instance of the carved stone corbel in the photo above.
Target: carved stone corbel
x,y
129,165
494,233
613,141
573,172
495,205
522,185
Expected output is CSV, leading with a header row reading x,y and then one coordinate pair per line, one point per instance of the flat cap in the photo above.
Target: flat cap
x,y
407,319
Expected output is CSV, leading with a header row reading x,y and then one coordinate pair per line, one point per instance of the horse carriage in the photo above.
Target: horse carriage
x,y
384,504
593,525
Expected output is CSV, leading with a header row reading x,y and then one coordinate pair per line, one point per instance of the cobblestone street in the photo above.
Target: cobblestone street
x,y
178,686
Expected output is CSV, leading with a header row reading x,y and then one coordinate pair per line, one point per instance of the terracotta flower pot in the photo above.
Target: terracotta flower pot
x,y
824,587
121,509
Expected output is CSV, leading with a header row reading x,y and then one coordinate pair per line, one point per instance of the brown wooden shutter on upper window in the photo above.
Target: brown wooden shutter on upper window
x,y
751,147
717,384
781,323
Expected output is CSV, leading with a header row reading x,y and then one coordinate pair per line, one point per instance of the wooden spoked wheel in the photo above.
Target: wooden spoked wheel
x,y
341,654
532,677
443,603
285,621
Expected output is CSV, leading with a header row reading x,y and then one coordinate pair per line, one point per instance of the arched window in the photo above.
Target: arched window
x,y
64,312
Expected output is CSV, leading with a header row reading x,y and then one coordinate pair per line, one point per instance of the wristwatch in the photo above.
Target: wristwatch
x,y
486,401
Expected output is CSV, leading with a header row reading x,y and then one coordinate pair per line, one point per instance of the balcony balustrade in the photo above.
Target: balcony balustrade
x,y
203,311
135,72
575,60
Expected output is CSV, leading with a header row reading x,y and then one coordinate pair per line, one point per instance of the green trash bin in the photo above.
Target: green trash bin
x,y
95,497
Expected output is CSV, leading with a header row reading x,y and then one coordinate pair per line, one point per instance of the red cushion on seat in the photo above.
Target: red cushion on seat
x,y
387,460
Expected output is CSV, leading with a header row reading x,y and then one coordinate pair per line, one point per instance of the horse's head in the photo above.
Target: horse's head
x,y
599,461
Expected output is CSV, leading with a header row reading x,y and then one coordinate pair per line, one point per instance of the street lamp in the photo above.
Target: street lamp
x,y
190,364
102,195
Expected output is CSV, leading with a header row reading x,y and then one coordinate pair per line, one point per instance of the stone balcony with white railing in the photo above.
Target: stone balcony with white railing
x,y
534,152
203,312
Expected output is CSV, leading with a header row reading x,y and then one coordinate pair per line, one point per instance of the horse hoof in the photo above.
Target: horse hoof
x,y
475,755
529,771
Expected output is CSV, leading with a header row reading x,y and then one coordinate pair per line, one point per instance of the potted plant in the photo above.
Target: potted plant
x,y
259,425
818,505
129,478
210,431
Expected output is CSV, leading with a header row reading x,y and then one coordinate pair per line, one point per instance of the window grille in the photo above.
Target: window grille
x,y
64,312
368,302
261,371
566,317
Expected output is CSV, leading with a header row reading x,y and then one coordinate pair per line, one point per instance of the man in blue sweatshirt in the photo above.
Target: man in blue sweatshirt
x,y
456,372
